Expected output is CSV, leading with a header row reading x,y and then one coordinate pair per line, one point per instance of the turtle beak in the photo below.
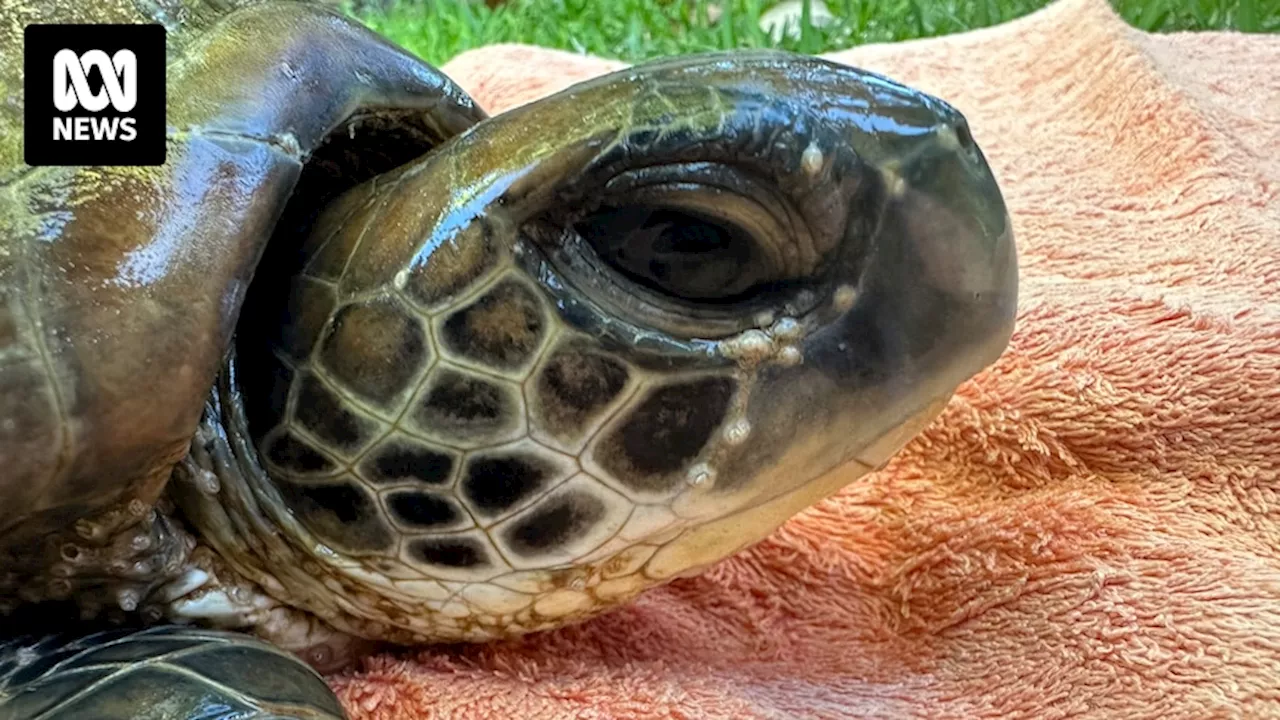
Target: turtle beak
x,y
929,303
937,299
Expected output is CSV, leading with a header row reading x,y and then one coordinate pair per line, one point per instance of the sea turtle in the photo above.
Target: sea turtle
x,y
492,375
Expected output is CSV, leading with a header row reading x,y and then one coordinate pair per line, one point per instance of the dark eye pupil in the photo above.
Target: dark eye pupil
x,y
674,252
689,237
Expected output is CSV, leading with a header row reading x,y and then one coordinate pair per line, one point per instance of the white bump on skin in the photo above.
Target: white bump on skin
x,y
750,346
207,482
785,329
790,355
811,160
844,297
738,431
893,181
701,475
401,279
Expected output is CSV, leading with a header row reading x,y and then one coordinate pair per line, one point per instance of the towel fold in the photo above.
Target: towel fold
x,y
1092,526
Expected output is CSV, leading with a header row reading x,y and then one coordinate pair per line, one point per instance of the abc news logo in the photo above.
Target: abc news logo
x,y
94,95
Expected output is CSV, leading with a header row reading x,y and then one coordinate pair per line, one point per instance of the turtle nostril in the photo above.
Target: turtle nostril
x,y
964,136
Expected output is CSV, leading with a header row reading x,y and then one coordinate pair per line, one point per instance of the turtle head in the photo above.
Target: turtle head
x,y
804,258
619,333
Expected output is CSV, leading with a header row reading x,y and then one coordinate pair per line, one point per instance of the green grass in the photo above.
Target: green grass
x,y
634,30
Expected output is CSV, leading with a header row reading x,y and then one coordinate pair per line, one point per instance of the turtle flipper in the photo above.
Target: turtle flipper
x,y
160,673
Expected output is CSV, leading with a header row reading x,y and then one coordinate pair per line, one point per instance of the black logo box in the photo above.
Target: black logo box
x,y
147,147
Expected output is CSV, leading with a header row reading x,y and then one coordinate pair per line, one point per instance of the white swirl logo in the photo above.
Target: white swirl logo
x,y
71,80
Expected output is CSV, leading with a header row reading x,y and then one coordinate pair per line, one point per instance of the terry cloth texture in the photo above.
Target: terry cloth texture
x,y
1091,528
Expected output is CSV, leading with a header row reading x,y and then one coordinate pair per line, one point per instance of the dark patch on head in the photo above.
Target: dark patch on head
x,y
500,330
659,438
554,523
399,459
497,483
375,349
422,510
449,269
450,552
574,386
325,415
342,515
459,406
293,455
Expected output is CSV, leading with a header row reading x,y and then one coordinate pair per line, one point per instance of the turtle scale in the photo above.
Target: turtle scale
x,y
485,345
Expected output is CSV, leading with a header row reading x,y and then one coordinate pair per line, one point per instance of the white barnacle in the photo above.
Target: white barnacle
x,y
764,318
790,356
750,346
401,279
811,160
843,298
127,599
700,475
738,431
785,329
894,183
207,482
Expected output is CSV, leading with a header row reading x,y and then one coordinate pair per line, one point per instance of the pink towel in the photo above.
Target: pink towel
x,y
1091,528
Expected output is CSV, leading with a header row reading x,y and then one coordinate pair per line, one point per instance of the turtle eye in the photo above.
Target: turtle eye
x,y
693,250
682,253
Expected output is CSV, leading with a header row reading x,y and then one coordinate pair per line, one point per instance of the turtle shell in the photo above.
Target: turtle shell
x,y
120,287
161,672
